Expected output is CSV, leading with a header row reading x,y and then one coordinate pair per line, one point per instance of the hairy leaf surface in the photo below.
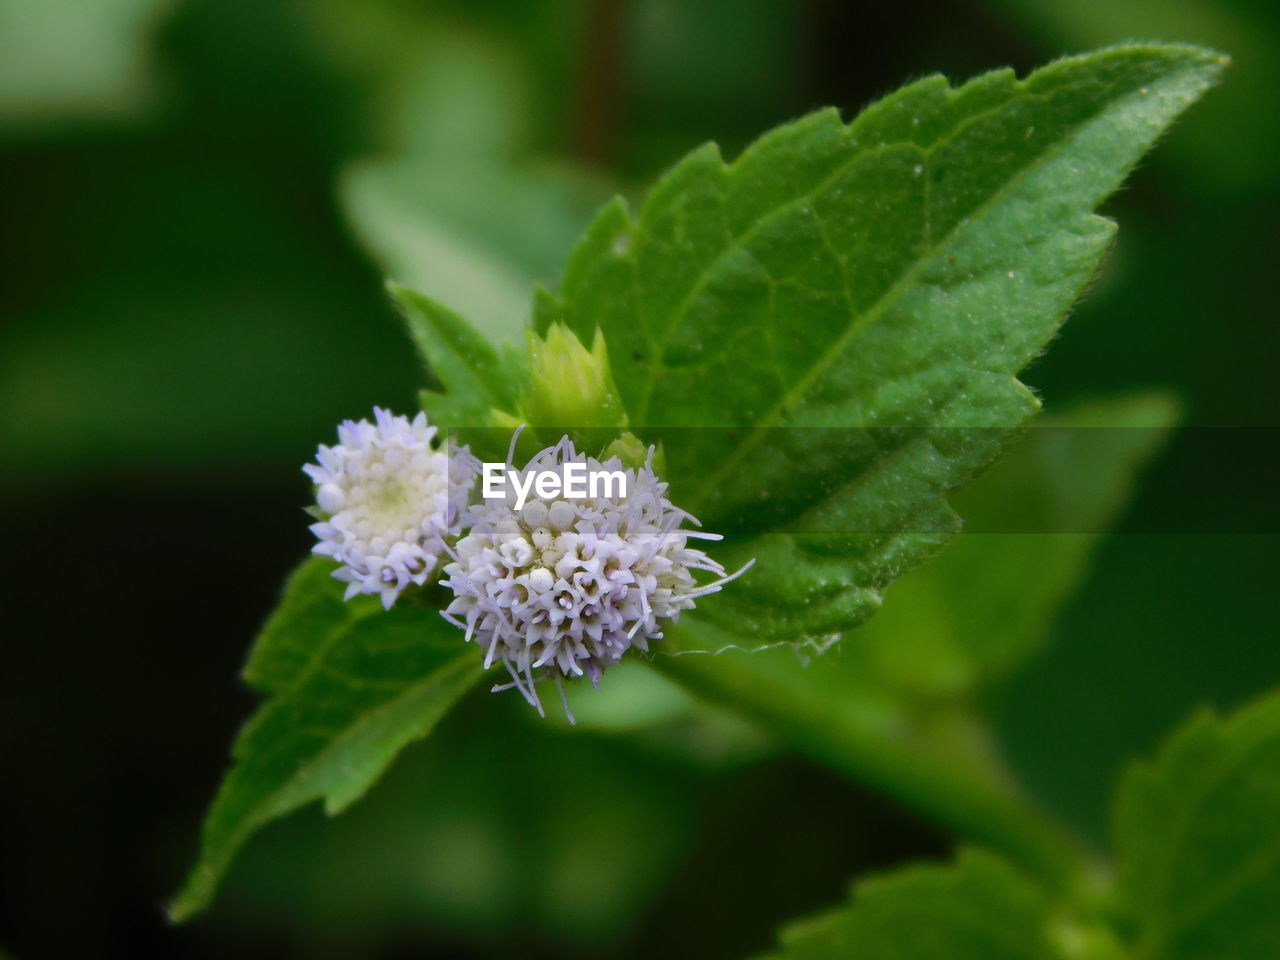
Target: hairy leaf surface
x,y
849,305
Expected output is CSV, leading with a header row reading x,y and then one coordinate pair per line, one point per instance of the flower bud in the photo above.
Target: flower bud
x,y
571,387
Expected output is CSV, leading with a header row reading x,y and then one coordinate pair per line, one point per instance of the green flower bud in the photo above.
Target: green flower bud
x,y
571,387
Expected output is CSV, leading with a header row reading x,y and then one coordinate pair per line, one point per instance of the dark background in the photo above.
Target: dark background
x,y
186,309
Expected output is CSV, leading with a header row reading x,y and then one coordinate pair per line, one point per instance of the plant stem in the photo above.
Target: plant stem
x,y
598,90
947,769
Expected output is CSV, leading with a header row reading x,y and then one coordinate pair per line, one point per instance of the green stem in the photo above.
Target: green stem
x,y
947,770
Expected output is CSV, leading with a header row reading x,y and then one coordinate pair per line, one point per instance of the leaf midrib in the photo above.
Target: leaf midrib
x,y
350,617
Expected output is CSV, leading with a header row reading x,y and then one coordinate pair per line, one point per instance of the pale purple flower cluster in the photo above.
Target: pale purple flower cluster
x,y
560,588
388,496
564,587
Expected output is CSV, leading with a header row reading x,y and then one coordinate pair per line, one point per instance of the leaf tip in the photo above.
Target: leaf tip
x,y
192,898
400,294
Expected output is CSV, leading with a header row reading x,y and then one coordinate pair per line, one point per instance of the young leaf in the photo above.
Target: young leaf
x,y
978,908
413,216
1198,840
887,278
349,686
476,377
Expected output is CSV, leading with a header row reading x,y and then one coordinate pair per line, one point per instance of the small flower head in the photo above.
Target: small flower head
x,y
563,588
387,500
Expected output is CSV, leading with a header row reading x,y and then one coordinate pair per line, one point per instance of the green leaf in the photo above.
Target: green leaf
x,y
893,706
984,606
349,686
1198,840
436,844
978,908
1249,31
476,239
476,377
885,279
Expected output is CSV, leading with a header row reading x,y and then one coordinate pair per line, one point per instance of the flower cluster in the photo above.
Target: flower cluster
x,y
387,497
559,588
564,587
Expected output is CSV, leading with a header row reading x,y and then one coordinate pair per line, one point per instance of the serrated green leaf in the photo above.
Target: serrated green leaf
x,y
1247,30
969,617
890,276
349,686
978,908
1198,840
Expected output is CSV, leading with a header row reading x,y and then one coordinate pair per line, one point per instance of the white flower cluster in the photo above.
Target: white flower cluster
x,y
388,500
560,588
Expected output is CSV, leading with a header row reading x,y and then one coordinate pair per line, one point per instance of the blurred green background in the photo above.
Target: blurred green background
x,y
201,199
